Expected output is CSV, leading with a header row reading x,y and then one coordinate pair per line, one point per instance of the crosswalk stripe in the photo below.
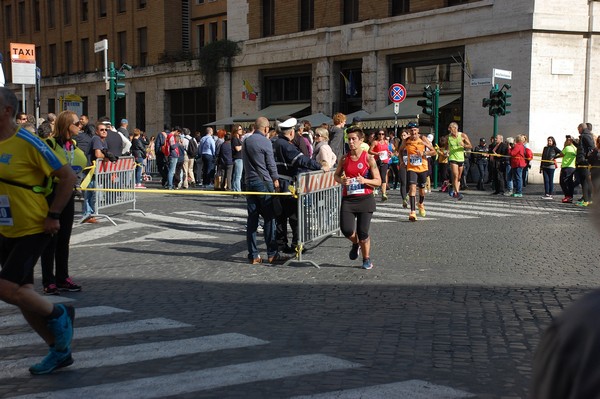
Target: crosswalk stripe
x,y
502,204
412,389
49,298
128,327
138,353
80,235
454,208
200,380
453,215
18,320
186,222
220,218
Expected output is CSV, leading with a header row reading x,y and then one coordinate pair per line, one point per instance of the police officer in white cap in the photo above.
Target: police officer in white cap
x,y
289,161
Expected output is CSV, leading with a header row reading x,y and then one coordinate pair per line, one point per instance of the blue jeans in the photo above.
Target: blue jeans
x,y
236,180
208,169
172,168
548,180
139,165
518,176
509,178
260,205
89,200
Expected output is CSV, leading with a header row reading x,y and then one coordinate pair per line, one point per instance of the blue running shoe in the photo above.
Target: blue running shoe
x,y
62,328
53,360
451,192
353,255
367,264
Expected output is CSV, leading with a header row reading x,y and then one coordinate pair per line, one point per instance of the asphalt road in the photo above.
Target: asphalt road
x,y
454,306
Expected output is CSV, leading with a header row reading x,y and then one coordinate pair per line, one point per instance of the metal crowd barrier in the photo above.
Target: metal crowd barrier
x,y
119,175
151,169
319,200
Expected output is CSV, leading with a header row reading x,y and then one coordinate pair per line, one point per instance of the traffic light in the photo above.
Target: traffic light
x,y
427,103
118,85
494,101
503,102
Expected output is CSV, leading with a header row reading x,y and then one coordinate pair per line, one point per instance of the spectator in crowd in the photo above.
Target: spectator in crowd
x,y
225,164
96,154
548,166
501,164
114,141
517,163
44,130
238,163
30,228
261,176
191,151
594,160
586,145
138,150
567,169
56,253
322,152
207,150
162,158
51,117
290,162
480,157
336,135
21,118
176,158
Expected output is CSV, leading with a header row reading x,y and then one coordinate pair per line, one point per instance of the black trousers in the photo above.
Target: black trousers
x,y
290,214
56,252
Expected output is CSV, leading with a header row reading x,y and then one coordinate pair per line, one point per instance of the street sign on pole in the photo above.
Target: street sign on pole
x,y
102,45
397,93
396,108
22,58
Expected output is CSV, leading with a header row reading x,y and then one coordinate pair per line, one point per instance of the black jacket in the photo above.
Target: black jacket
x,y
586,145
290,161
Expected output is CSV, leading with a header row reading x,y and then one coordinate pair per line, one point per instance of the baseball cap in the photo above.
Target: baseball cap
x,y
482,139
124,121
411,125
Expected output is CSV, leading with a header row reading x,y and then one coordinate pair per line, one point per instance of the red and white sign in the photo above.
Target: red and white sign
x,y
122,164
397,93
22,58
316,182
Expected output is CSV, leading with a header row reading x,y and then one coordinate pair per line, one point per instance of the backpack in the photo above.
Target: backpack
x,y
166,147
192,149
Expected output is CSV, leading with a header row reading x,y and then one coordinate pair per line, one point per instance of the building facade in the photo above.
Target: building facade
x,y
306,51
161,40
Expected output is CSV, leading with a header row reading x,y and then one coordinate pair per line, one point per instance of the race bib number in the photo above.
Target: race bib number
x,y
416,160
355,187
383,155
5,215
405,159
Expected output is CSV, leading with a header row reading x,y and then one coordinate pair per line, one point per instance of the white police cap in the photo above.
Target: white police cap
x,y
288,124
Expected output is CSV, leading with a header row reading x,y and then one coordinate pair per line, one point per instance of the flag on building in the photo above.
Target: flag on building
x,y
350,87
248,92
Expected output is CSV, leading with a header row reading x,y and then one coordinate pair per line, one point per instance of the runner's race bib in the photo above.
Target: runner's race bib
x,y
383,155
355,187
416,160
5,215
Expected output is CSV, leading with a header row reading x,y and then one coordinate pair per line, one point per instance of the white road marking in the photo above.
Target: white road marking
x,y
119,355
18,320
128,327
200,380
412,389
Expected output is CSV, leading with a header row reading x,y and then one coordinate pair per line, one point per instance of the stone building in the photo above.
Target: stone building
x,y
161,40
302,52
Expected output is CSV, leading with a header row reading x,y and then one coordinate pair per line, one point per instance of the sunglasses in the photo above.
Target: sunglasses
x,y
381,134
102,130
78,123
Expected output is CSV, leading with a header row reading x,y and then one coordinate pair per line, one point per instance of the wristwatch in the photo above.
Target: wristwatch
x,y
53,215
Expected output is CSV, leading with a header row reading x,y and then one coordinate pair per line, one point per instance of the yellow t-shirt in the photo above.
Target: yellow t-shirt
x,y
73,155
24,159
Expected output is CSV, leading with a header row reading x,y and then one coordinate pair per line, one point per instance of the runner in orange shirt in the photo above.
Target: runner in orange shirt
x,y
417,148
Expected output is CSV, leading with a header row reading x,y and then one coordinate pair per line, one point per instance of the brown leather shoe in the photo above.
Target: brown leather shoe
x,y
91,220
256,261
278,259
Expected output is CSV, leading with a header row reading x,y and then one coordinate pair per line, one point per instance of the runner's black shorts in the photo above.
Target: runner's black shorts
x,y
19,255
418,178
